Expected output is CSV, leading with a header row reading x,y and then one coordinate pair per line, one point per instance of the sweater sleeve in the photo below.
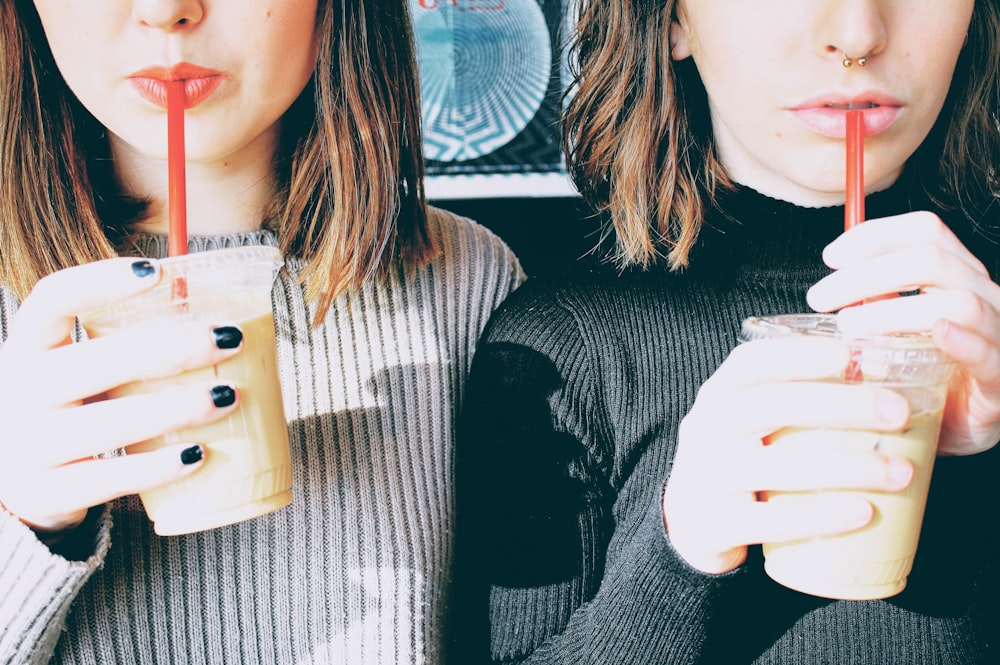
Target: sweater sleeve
x,y
550,567
37,583
38,586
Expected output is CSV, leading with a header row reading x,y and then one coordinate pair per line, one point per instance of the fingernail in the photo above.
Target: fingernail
x,y
227,337
192,455
860,513
223,396
899,472
143,268
891,408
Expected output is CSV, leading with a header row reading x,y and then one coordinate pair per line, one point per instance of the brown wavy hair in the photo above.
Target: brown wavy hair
x,y
351,199
639,141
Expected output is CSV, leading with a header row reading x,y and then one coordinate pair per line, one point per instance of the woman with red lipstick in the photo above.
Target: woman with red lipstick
x,y
611,457
302,128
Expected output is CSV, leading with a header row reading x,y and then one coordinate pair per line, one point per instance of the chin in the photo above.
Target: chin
x,y
809,193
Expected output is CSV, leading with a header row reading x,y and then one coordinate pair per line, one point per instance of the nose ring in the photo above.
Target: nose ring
x,y
848,61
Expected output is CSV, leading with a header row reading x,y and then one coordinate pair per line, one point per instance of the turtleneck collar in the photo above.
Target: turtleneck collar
x,y
747,227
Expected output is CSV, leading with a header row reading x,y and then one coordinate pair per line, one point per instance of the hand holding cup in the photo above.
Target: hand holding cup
x,y
722,467
953,296
53,396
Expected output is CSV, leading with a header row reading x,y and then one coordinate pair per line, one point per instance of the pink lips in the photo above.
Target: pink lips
x,y
828,115
199,83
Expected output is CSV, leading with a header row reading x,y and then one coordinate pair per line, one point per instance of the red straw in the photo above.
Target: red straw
x,y
176,191
854,203
854,206
176,181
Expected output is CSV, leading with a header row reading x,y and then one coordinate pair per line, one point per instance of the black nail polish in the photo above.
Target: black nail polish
x,y
143,268
223,396
191,455
227,337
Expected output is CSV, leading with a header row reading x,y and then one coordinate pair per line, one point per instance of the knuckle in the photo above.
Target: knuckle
x,y
932,259
969,310
45,288
933,227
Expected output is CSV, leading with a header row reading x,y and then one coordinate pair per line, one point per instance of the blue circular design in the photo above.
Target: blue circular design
x,y
485,67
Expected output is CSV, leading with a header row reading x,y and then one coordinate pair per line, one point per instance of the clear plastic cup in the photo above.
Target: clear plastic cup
x,y
247,469
874,561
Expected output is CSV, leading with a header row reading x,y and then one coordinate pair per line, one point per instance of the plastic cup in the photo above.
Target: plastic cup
x,y
874,561
247,470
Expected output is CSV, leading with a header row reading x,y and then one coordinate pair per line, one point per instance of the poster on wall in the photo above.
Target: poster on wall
x,y
492,79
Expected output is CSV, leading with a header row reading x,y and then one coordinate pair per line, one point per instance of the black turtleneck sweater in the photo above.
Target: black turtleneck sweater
x,y
570,428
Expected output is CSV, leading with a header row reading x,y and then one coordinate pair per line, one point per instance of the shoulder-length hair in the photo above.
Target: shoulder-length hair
x,y
639,141
351,199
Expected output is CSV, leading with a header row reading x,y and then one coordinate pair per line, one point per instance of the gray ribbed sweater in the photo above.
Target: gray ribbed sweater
x,y
356,570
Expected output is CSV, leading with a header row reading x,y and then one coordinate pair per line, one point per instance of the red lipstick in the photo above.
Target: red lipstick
x,y
199,83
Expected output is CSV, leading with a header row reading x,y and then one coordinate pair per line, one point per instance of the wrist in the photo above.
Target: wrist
x,y
50,536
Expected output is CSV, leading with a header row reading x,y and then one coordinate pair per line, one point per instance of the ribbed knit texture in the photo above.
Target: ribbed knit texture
x,y
356,569
570,428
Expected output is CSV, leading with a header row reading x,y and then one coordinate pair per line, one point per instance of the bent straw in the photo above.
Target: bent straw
x,y
177,239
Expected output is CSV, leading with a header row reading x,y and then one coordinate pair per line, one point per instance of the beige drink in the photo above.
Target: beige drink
x,y
872,562
247,468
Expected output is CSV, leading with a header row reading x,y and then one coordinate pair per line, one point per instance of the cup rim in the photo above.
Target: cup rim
x,y
243,270
185,264
825,325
